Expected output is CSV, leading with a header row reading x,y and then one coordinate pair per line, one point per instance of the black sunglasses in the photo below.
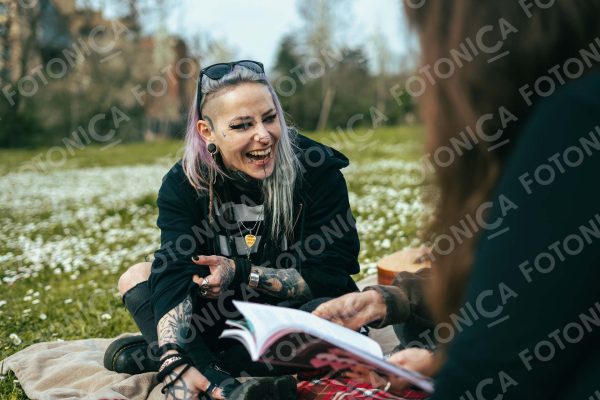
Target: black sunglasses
x,y
217,71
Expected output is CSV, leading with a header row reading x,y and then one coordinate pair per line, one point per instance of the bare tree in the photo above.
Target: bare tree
x,y
383,57
19,47
5,27
324,21
24,23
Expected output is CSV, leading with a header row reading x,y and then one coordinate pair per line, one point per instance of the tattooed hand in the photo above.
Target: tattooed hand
x,y
282,283
222,272
189,385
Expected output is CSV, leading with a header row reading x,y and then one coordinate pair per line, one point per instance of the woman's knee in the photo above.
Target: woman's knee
x,y
135,274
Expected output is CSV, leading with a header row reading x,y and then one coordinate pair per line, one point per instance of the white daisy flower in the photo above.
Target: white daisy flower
x,y
15,339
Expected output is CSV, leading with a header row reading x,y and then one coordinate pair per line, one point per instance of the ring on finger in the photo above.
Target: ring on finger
x,y
387,386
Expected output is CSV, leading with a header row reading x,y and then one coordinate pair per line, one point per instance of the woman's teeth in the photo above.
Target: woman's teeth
x,y
259,154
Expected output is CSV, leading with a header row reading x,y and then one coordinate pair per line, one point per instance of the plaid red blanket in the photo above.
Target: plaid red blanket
x,y
340,388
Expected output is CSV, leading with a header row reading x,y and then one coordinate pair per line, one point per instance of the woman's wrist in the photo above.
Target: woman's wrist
x,y
243,267
170,363
168,353
169,349
377,305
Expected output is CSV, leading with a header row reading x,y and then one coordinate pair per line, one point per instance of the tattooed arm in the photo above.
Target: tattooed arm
x,y
172,329
282,283
174,324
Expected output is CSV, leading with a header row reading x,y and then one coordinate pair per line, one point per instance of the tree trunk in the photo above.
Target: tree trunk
x,y
326,108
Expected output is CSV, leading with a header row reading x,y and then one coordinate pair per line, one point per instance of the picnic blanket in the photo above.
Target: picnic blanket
x,y
341,388
75,370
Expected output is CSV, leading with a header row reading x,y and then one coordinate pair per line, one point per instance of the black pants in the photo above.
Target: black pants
x,y
202,343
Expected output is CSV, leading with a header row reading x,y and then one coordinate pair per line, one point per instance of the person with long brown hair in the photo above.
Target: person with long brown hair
x,y
510,98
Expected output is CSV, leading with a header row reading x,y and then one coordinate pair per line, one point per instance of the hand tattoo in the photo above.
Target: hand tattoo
x,y
227,269
178,390
283,283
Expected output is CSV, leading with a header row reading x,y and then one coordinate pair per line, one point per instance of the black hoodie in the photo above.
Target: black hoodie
x,y
324,247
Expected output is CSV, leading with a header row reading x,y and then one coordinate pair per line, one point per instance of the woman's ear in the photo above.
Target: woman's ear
x,y
205,130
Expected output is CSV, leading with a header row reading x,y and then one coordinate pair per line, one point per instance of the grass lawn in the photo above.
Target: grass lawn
x,y
73,221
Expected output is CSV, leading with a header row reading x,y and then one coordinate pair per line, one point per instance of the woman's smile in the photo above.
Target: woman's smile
x,y
260,157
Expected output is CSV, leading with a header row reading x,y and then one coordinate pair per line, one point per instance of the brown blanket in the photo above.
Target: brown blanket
x,y
74,370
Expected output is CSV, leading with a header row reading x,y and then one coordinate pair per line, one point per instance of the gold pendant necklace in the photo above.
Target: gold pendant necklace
x,y
250,238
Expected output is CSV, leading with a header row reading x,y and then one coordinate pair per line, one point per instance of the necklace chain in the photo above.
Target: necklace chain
x,y
256,224
250,236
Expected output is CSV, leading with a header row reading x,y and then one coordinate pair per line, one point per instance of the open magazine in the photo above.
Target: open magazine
x,y
285,336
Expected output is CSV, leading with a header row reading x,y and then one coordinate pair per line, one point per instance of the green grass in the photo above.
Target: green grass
x,y
72,282
69,157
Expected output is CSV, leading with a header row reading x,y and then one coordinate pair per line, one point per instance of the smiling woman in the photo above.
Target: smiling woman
x,y
241,217
246,137
241,150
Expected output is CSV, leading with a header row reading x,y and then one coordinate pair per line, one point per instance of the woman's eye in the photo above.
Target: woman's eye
x,y
271,118
241,126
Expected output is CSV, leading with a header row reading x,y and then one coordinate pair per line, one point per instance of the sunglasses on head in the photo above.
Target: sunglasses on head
x,y
217,71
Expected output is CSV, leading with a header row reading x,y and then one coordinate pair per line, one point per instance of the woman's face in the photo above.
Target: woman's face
x,y
245,128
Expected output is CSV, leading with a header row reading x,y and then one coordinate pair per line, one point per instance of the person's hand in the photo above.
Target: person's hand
x,y
189,386
353,310
222,272
415,359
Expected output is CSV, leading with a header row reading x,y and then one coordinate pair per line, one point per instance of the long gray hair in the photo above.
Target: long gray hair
x,y
278,188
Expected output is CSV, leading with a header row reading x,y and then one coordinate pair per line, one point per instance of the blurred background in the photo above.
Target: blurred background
x,y
62,62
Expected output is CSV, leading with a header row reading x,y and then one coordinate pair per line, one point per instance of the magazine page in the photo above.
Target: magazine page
x,y
305,351
290,337
269,323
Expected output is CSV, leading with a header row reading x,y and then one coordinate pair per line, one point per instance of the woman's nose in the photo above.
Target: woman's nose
x,y
262,135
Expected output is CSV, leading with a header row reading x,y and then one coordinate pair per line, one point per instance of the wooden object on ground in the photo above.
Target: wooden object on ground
x,y
409,259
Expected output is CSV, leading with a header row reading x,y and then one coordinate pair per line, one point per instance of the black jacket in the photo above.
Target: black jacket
x,y
324,247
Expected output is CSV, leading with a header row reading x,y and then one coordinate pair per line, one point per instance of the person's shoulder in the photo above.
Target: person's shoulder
x,y
562,119
176,175
317,158
555,155
176,182
577,100
582,90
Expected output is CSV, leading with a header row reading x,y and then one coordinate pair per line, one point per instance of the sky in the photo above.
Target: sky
x,y
253,29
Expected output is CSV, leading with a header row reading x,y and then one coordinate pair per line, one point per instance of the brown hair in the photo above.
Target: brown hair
x,y
545,37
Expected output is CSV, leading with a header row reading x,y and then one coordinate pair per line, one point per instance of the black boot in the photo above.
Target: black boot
x,y
130,355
